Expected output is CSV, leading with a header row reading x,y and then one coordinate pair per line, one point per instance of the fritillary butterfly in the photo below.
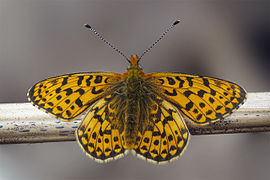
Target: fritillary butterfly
x,y
136,111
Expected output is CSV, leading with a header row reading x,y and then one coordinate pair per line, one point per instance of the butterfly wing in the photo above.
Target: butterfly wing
x,y
202,99
101,139
68,96
166,138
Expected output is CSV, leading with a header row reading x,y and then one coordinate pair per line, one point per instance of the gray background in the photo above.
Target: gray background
x,y
225,39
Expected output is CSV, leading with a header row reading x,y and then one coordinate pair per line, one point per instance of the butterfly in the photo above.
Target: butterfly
x,y
136,111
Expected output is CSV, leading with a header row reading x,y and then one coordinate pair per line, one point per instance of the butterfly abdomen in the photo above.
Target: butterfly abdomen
x,y
131,124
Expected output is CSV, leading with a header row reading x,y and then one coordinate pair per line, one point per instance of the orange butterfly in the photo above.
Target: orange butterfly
x,y
136,111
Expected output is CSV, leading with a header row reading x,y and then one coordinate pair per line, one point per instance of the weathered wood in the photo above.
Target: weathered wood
x,y
23,123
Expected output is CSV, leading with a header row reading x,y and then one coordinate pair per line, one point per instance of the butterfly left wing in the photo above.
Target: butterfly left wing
x,y
202,99
166,137
68,96
99,134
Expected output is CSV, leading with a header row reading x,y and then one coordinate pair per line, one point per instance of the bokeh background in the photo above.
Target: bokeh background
x,y
225,39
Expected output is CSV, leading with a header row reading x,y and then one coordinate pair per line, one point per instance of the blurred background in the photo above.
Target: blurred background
x,y
224,39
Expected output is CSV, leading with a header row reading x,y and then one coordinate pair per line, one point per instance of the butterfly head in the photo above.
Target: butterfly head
x,y
134,62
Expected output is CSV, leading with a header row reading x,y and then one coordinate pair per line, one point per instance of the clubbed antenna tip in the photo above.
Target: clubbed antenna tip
x,y
87,26
176,22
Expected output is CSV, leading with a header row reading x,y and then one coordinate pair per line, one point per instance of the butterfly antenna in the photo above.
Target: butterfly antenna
x,y
161,37
104,40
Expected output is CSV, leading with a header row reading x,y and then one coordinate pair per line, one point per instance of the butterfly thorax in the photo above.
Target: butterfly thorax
x,y
134,78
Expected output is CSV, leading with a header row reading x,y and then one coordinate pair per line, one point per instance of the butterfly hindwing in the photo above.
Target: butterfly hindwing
x,y
98,137
68,96
202,99
168,135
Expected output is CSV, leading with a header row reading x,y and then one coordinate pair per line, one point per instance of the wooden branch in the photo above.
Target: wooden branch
x,y
23,123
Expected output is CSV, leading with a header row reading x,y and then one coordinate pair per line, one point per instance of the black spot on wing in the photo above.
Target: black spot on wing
x,y
161,81
58,90
199,117
98,79
211,100
190,83
50,103
209,112
96,92
79,102
58,97
189,105
170,138
64,81
80,80
202,105
181,81
188,93
218,107
213,92
59,108
68,113
205,82
81,91
171,93
201,93
171,80
88,82
69,91
146,140
106,80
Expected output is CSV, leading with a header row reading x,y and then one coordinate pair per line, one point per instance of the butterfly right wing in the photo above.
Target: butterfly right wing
x,y
100,134
68,96
166,137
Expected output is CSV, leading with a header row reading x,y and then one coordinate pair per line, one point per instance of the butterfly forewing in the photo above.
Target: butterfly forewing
x,y
202,99
97,135
167,136
68,96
